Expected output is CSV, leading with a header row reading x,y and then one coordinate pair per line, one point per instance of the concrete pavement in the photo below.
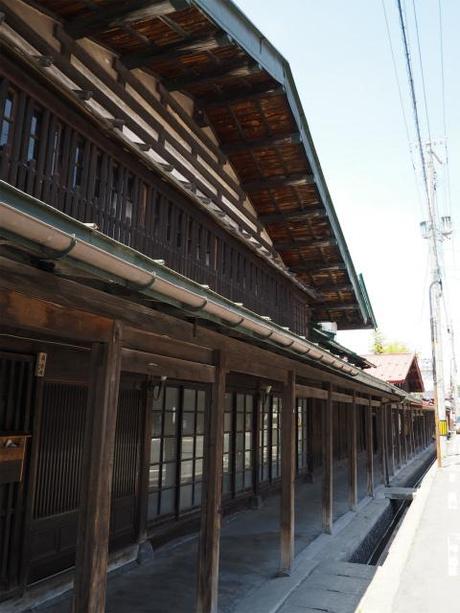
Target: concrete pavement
x,y
422,571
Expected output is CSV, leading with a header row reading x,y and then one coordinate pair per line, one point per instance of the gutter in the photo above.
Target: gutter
x,y
56,236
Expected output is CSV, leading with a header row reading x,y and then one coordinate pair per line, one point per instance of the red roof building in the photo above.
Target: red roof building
x,y
401,369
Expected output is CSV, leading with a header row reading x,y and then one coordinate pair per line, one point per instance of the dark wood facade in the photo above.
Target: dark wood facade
x,y
144,421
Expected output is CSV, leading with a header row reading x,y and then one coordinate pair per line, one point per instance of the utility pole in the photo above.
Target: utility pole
x,y
433,231
453,377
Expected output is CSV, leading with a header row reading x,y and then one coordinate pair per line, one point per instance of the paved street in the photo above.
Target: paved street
x,y
422,571
430,579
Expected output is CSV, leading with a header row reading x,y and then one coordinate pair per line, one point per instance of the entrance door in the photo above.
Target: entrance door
x,y
16,383
54,526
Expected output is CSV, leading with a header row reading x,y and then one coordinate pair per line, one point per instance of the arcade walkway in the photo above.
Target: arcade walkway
x,y
249,554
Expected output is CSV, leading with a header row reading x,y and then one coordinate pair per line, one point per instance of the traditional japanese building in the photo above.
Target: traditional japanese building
x,y
168,246
400,369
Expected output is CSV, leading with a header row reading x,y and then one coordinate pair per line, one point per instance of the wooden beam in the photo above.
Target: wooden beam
x,y
369,449
305,242
262,143
175,51
94,514
317,266
298,215
340,397
237,69
328,459
288,433
339,287
37,284
352,455
306,391
263,91
209,541
297,179
119,13
22,311
160,365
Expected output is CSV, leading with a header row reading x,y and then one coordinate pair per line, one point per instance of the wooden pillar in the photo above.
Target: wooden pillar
x,y
391,440
328,460
411,432
369,450
383,444
404,429
256,460
209,542
310,454
288,462
352,456
94,515
398,429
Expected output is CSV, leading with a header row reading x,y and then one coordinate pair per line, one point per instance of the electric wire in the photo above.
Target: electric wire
x,y
413,97
401,102
422,72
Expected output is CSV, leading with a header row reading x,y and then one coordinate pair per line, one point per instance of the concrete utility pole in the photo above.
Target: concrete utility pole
x,y
436,230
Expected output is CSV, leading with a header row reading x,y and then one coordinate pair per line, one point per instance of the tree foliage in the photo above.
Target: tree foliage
x,y
381,346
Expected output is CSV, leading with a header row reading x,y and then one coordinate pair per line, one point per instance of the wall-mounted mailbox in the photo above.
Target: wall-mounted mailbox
x,y
12,455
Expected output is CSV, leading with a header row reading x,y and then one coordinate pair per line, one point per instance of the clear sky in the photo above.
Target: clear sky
x,y
341,60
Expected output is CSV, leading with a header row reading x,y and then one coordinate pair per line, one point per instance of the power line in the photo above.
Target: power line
x,y
413,98
443,104
401,102
422,73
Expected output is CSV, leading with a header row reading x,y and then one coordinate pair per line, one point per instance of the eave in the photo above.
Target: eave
x,y
216,57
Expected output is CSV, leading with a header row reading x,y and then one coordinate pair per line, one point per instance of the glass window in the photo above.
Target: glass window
x,y
269,439
77,166
34,135
6,127
177,450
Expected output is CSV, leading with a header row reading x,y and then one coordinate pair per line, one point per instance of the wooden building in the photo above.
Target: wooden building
x,y
167,243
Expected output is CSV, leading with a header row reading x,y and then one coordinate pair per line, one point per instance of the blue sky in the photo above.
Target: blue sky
x,y
341,60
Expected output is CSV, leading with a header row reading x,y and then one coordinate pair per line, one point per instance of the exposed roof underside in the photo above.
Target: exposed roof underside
x,y
397,368
243,89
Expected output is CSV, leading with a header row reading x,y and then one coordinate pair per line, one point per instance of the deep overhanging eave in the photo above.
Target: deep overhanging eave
x,y
27,221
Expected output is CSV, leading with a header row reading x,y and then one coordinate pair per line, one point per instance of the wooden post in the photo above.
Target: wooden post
x,y
398,430
404,433
209,542
288,433
94,517
384,445
310,454
352,456
328,458
369,450
391,441
411,432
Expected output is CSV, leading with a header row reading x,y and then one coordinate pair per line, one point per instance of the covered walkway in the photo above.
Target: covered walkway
x,y
250,545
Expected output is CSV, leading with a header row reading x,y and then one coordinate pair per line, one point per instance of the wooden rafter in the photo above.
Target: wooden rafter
x,y
262,143
121,12
293,180
237,69
174,51
264,91
304,242
317,267
299,215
